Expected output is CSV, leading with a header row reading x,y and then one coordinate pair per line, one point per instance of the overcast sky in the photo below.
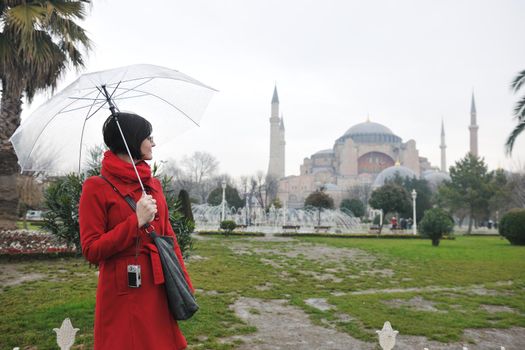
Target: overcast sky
x,y
406,64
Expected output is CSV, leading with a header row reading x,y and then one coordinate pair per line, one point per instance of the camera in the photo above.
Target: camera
x,y
134,280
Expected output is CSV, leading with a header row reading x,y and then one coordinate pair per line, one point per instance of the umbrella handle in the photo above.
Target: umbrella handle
x,y
114,113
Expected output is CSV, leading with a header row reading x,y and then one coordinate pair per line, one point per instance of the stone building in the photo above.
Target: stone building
x,y
356,159
365,156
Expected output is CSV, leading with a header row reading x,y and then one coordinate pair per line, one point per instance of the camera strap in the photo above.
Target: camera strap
x,y
133,206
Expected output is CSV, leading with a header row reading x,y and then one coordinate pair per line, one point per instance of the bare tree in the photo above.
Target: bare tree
x,y
517,184
31,193
196,174
361,191
264,188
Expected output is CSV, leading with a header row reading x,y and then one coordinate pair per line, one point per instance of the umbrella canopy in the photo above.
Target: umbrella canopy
x,y
58,136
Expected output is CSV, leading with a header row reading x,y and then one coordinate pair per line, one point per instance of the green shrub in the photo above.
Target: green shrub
x,y
228,226
61,199
182,222
435,224
354,205
512,226
179,208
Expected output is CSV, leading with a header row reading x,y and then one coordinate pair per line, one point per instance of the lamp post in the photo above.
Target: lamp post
x,y
414,225
223,199
246,206
285,210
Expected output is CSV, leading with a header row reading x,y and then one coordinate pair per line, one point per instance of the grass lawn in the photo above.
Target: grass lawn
x,y
33,226
420,289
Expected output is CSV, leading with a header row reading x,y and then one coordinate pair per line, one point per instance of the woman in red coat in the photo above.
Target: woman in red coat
x,y
112,236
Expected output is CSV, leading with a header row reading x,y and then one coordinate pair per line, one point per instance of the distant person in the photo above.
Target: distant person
x,y
403,223
410,223
393,223
128,315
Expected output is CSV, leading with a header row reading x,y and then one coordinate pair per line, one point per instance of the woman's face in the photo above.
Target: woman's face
x,y
146,148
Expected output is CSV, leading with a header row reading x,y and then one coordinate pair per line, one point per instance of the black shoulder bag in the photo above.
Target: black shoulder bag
x,y
181,301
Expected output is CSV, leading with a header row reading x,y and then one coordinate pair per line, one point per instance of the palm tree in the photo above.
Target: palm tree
x,y
39,40
519,112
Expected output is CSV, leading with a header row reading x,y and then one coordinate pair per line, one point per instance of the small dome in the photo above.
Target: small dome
x,y
390,173
330,187
324,152
435,178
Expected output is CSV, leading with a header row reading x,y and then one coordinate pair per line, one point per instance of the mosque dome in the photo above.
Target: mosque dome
x,y
435,178
370,132
390,173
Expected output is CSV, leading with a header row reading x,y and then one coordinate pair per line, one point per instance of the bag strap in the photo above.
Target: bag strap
x,y
133,206
127,198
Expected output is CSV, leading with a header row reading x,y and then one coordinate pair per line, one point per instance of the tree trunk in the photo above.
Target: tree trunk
x,y
8,193
10,110
435,242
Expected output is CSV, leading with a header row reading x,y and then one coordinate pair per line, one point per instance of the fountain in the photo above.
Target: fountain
x,y
207,217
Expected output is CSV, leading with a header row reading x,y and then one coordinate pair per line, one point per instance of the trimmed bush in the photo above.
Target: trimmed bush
x,y
228,226
512,226
435,224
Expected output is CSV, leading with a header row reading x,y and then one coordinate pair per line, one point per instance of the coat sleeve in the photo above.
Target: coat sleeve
x,y
169,232
97,244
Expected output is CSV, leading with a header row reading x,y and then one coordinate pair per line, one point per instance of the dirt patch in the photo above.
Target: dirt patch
x,y
472,289
271,263
12,275
319,304
281,326
498,308
197,258
386,273
264,287
312,252
478,339
322,276
416,303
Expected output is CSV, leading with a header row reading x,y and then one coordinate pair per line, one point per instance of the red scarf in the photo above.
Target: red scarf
x,y
122,174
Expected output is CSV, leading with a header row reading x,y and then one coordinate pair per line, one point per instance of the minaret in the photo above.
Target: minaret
x,y
473,127
276,164
282,144
443,148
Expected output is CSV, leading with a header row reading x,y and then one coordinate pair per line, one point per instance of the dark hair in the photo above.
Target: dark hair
x,y
135,129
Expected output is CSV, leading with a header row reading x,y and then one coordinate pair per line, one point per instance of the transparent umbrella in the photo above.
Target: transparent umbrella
x,y
57,137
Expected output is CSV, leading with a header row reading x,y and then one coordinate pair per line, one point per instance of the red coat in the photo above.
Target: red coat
x,y
127,318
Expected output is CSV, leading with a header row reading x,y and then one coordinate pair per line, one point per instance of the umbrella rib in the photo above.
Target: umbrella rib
x,y
82,133
164,100
87,98
82,107
44,128
95,112
128,97
133,88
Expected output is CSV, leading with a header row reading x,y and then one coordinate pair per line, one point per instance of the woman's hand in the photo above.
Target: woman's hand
x,y
146,209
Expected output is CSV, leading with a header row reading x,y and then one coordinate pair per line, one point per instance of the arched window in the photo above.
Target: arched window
x,y
373,163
